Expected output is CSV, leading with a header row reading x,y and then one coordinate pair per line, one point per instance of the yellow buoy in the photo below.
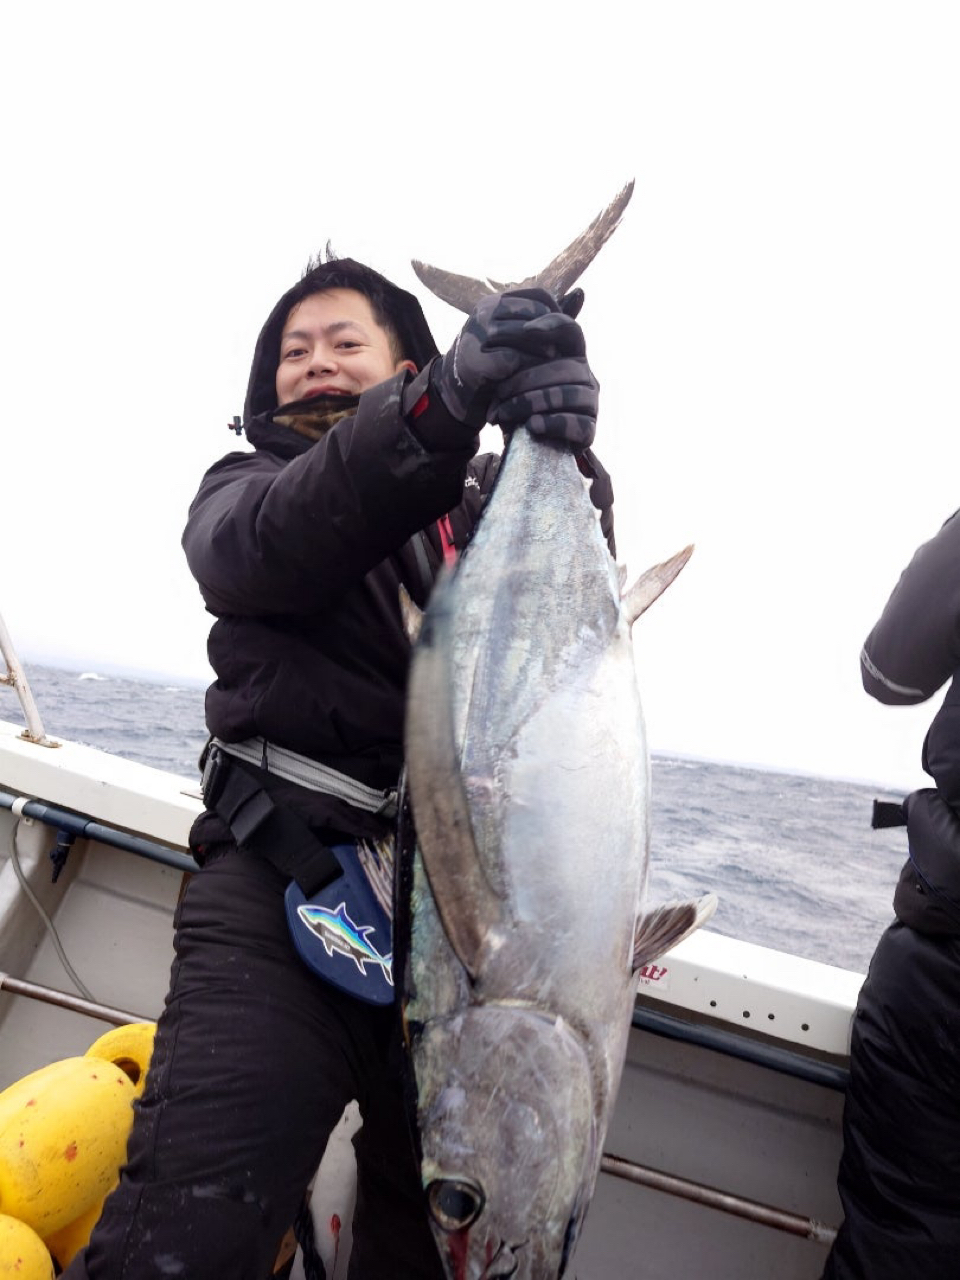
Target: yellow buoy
x,y
22,1253
63,1136
66,1243
128,1047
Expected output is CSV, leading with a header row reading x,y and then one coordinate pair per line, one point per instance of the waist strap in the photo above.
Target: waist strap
x,y
266,829
293,767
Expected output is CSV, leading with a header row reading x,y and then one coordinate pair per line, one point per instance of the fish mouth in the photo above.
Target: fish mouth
x,y
505,1257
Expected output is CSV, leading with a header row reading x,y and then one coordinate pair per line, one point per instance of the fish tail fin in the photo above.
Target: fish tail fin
x,y
661,928
464,292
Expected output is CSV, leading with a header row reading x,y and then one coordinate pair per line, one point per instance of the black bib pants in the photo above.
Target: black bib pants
x,y
255,1060
899,1176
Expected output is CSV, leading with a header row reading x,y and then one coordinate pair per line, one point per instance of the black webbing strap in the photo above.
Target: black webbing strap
x,y
887,814
264,828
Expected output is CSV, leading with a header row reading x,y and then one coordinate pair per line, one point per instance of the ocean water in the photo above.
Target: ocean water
x,y
792,858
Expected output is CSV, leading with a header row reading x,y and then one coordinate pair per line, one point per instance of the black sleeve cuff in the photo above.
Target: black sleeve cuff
x,y
429,419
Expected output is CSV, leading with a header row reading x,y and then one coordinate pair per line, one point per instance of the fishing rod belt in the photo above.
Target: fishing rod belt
x,y
293,767
264,828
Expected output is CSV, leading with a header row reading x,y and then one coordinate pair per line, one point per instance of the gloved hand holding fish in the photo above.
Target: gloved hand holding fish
x,y
508,338
520,908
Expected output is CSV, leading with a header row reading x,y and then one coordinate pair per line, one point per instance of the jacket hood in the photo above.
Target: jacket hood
x,y
344,273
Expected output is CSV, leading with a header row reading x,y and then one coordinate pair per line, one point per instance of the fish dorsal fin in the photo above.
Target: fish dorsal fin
x,y
661,928
411,614
653,584
464,292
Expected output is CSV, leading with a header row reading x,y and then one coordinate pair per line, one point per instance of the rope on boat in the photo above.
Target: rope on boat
x,y
764,1214
41,912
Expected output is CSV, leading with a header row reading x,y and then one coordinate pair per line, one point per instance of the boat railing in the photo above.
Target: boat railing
x,y
16,677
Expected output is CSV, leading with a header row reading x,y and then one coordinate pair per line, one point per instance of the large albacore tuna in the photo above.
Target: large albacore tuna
x,y
520,924
520,921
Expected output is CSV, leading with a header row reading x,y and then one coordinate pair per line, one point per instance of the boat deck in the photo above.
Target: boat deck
x,y
735,1066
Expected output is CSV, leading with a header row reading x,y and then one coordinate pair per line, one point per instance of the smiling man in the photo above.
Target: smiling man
x,y
281,1009
333,344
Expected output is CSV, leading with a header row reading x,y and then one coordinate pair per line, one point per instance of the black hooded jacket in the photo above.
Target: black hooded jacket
x,y
300,548
910,653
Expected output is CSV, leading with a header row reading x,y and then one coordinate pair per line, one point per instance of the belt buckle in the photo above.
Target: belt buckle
x,y
214,771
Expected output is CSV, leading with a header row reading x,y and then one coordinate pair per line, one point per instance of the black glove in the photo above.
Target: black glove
x,y
557,399
506,332
571,303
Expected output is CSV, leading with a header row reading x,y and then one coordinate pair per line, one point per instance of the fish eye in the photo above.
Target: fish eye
x,y
454,1203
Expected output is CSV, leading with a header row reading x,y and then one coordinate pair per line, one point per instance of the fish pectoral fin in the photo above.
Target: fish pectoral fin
x,y
661,928
472,914
652,585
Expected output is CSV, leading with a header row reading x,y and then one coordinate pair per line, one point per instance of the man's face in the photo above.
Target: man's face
x,y
333,345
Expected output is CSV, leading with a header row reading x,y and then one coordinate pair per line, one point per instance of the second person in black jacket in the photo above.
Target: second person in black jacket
x,y
899,1177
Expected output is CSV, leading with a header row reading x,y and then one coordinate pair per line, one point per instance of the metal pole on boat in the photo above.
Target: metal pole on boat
x,y
50,995
15,676
710,1197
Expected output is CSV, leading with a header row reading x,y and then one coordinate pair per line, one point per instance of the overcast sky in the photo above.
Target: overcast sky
x,y
775,323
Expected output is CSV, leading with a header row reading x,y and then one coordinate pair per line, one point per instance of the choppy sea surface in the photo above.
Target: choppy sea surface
x,y
792,857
